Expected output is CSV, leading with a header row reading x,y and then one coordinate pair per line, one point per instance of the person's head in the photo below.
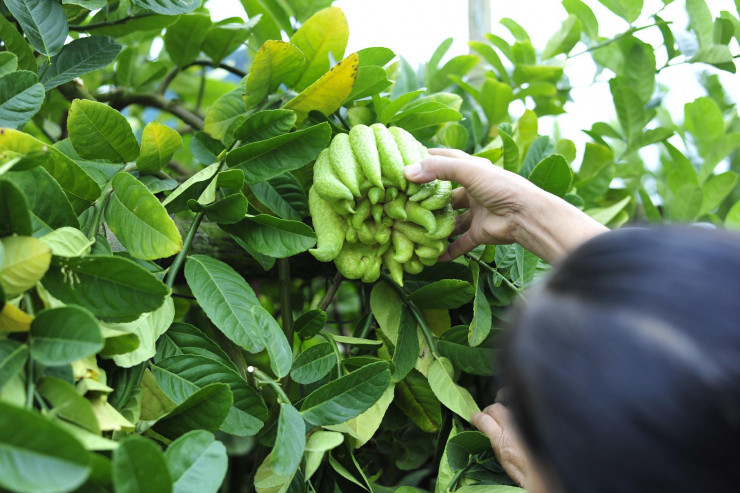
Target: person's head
x,y
624,366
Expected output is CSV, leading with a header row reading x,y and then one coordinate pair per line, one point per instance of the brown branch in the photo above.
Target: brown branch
x,y
331,290
121,99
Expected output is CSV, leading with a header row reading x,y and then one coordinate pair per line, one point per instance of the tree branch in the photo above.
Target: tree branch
x,y
331,290
90,27
121,99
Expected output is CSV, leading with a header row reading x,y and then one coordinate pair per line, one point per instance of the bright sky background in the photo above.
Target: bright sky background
x,y
414,28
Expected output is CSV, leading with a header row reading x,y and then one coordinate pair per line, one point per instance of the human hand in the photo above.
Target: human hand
x,y
495,422
503,207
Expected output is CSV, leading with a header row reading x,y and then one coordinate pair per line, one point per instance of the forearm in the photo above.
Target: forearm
x,y
551,228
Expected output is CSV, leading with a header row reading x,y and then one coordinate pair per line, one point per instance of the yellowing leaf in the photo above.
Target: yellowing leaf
x,y
25,262
158,144
327,94
13,319
449,393
325,32
363,427
276,62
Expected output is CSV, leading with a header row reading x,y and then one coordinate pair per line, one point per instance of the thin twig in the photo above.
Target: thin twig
x,y
121,99
172,272
331,290
97,25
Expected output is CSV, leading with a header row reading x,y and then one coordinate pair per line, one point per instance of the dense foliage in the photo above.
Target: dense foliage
x,y
163,326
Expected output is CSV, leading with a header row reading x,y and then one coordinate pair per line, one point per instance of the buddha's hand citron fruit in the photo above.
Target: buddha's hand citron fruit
x,y
366,215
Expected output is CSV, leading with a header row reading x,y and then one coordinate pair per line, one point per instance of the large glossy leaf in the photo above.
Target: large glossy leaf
x,y
284,196
78,58
313,364
184,38
273,18
449,393
416,399
273,236
97,131
50,208
80,188
197,462
324,33
227,299
182,338
269,158
406,351
206,409
139,466
264,125
310,323
62,335
110,287
348,396
37,455
15,217
223,113
705,122
147,328
226,36
169,7
16,44
363,427
447,293
553,175
67,403
179,377
25,261
13,356
43,22
139,220
564,39
328,93
276,62
158,144
482,321
191,188
715,190
278,348
474,360
21,97
290,441
630,110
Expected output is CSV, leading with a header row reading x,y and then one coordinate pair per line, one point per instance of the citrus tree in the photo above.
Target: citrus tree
x,y
163,325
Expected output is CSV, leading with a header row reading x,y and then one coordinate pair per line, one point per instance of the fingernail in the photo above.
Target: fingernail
x,y
412,170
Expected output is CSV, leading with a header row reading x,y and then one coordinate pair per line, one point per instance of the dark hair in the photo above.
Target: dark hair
x,y
624,366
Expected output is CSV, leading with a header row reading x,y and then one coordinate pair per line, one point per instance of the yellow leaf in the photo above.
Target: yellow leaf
x,y
276,62
324,32
13,319
329,92
25,262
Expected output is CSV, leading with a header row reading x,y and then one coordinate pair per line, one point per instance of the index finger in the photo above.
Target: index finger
x,y
465,171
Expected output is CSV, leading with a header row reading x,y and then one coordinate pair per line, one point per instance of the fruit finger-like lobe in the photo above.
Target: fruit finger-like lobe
x,y
351,236
352,261
412,231
393,267
382,234
362,140
330,227
445,224
425,190
396,208
413,266
375,195
377,212
326,182
391,193
391,161
403,246
372,272
366,233
344,207
421,216
363,212
407,145
440,197
424,154
345,164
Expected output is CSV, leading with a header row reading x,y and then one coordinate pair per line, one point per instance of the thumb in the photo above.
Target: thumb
x,y
463,171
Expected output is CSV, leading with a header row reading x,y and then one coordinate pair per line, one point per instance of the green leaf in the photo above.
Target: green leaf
x,y
278,348
700,21
457,66
553,175
16,44
62,335
718,55
715,190
327,94
630,110
21,97
406,351
363,427
313,364
206,409
49,206
284,196
269,235
139,466
371,80
482,321
585,15
182,338
67,242
348,396
638,71
67,403
25,260
519,33
705,122
474,360
158,144
564,39
93,281
225,37
290,441
222,114
493,59
732,219
13,357
605,214
197,462
276,62
139,23
169,7
139,220
38,456
415,398
511,153
15,217
229,210
227,300
310,323
596,171
179,377
184,38
191,188
80,57
80,188
8,62
44,24
324,33
147,328
454,397
264,125
273,18
97,131
446,294
628,10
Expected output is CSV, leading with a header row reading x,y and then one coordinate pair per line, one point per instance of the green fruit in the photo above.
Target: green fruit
x,y
331,228
344,163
